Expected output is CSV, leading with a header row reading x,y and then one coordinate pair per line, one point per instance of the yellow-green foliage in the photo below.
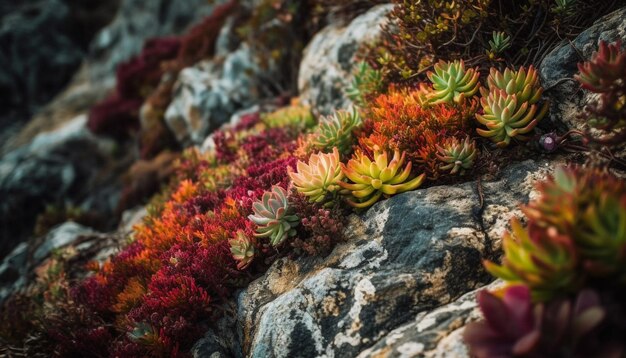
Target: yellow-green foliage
x,y
320,177
510,105
372,179
296,115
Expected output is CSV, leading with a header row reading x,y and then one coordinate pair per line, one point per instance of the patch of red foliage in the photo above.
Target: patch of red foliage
x,y
397,120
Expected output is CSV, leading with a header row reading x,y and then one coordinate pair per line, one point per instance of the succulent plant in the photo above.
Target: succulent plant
x,y
507,117
336,131
590,207
522,83
320,177
563,7
372,179
457,156
452,83
511,326
500,41
605,70
514,326
366,81
242,249
543,260
273,216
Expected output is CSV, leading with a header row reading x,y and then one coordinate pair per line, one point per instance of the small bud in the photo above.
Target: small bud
x,y
548,142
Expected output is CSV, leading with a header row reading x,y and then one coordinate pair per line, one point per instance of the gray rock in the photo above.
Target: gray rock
x,y
208,93
434,334
42,43
227,41
55,168
59,237
218,342
559,67
405,256
75,243
13,270
328,62
135,22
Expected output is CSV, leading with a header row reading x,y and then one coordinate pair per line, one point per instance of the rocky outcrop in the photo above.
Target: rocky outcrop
x,y
208,93
43,43
63,166
326,68
559,67
135,22
404,257
56,159
432,334
75,242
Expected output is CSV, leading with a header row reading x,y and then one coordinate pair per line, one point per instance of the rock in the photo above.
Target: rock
x,y
559,67
75,243
208,93
328,62
218,343
130,218
43,44
227,41
135,22
407,255
59,237
434,334
13,270
55,168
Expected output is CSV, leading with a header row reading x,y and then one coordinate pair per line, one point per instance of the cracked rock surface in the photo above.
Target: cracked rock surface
x,y
404,257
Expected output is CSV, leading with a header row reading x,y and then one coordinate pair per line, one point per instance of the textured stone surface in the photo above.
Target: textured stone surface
x,y
559,67
434,334
42,44
326,68
59,237
56,167
13,270
404,257
136,21
208,93
78,244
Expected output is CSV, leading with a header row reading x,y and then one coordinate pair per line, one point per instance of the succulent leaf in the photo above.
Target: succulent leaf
x,y
451,83
457,156
371,180
336,131
606,70
296,115
320,177
590,207
543,260
367,81
273,216
242,249
510,108
515,326
500,41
